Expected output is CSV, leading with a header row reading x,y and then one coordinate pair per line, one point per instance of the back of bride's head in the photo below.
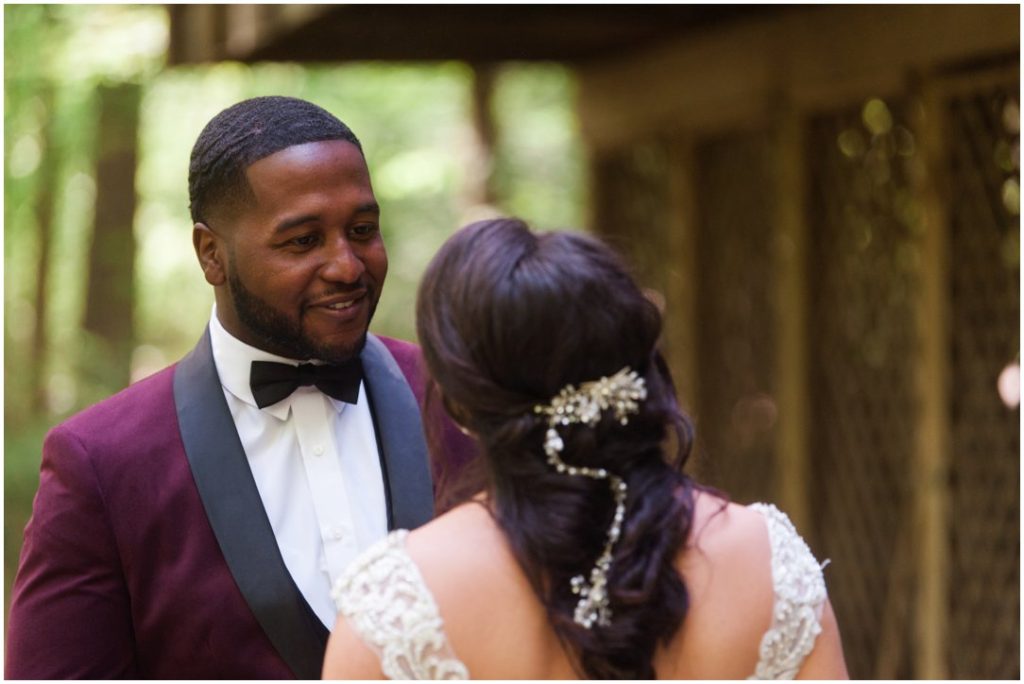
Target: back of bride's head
x,y
507,320
508,317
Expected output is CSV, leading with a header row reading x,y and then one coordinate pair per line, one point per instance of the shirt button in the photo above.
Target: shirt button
x,y
318,450
337,532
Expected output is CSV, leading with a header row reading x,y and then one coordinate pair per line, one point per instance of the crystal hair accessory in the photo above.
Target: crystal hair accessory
x,y
620,393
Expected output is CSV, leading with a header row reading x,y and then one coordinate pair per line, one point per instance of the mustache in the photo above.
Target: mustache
x,y
342,289
360,287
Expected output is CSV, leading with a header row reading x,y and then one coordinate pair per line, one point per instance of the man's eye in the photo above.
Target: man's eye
x,y
304,241
364,230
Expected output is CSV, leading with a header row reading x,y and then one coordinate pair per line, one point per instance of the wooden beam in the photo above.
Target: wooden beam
x,y
196,39
792,357
726,76
680,259
243,29
932,438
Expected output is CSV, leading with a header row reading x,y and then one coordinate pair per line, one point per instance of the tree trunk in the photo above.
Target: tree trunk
x,y
44,230
111,277
481,179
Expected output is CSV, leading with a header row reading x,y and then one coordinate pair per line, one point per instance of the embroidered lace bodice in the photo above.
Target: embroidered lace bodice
x,y
799,599
385,600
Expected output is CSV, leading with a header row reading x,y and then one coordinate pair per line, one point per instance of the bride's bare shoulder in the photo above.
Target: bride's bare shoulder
x,y
466,562
463,553
723,527
726,564
467,534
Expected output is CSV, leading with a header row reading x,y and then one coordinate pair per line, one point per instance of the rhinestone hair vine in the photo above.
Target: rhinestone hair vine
x,y
621,393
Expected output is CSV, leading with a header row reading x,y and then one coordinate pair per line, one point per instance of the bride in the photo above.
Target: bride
x,y
587,553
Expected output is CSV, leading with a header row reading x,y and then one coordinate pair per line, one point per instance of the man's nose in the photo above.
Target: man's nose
x,y
341,263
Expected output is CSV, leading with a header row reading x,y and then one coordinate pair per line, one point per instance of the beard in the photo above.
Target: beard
x,y
279,334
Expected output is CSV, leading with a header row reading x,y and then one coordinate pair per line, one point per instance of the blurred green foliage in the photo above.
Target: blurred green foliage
x,y
413,120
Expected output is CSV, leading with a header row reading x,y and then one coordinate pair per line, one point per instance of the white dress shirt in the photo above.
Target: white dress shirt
x,y
317,468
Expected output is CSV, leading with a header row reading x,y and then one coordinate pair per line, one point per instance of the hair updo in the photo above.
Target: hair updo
x,y
506,319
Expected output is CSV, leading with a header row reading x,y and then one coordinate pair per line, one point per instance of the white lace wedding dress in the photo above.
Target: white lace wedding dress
x,y
385,600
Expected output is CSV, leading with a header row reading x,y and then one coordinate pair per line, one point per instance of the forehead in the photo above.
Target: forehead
x,y
315,166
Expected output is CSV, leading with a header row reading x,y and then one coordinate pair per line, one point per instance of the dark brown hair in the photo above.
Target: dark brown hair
x,y
506,319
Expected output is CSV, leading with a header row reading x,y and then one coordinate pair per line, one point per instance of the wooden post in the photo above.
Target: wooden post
x,y
791,447
932,434
680,262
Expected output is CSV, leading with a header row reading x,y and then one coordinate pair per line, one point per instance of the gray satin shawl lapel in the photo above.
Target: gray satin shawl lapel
x,y
401,437
236,514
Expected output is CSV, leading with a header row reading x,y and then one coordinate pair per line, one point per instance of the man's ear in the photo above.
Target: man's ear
x,y
210,252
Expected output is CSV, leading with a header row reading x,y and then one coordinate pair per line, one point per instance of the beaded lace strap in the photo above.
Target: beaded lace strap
x,y
799,599
384,599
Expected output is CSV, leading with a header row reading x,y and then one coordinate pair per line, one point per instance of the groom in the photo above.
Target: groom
x,y
192,525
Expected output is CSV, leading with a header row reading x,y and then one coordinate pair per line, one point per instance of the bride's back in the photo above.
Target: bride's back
x,y
499,629
493,626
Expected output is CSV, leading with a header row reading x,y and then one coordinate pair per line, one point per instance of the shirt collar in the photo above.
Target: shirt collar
x,y
233,359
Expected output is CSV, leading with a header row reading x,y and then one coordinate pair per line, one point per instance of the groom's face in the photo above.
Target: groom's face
x,y
303,260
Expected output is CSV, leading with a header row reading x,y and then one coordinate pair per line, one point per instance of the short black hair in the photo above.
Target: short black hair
x,y
243,134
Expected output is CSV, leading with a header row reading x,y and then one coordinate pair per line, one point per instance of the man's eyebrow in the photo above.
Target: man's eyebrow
x,y
294,221
368,208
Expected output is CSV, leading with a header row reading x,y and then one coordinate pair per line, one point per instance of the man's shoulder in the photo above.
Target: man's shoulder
x,y
138,408
401,349
408,357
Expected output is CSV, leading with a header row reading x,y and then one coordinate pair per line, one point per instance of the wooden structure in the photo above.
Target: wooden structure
x,y
820,197
473,33
827,198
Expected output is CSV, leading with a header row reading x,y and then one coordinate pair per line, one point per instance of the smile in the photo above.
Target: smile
x,y
340,302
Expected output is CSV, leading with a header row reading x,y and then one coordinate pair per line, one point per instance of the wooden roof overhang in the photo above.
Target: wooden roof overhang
x,y
473,33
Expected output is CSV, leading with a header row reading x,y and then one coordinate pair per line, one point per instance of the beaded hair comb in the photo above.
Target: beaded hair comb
x,y
621,393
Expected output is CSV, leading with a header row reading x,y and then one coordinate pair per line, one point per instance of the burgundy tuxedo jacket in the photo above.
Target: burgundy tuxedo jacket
x,y
149,554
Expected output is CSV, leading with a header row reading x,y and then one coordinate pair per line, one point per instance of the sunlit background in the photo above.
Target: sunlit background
x,y
823,199
414,123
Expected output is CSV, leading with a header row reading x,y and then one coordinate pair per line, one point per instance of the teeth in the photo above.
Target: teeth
x,y
340,305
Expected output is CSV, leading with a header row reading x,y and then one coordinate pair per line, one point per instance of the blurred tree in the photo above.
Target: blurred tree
x,y
110,289
45,201
29,169
482,188
56,58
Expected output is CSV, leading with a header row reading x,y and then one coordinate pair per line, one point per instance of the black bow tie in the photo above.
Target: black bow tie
x,y
271,382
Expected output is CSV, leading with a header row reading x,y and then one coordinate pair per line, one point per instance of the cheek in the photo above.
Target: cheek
x,y
290,285
377,263
272,282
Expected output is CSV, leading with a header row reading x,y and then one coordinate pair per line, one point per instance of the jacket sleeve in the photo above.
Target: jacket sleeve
x,y
70,612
